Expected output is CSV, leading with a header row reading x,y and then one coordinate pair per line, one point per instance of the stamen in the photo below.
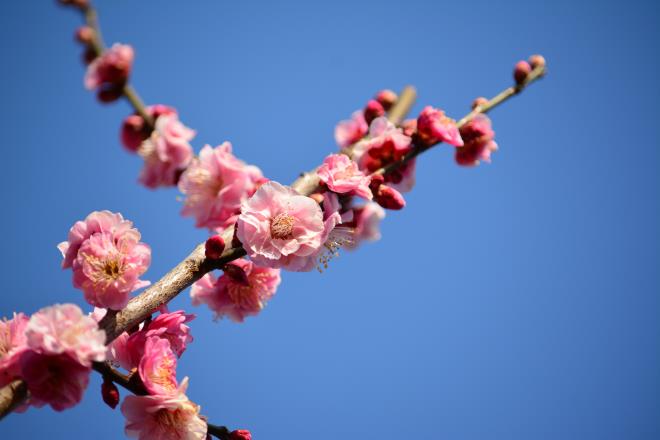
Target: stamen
x,y
281,226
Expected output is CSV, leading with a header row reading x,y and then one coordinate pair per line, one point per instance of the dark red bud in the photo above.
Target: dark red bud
x,y
237,274
521,71
387,98
376,181
110,393
389,198
214,247
537,61
133,132
373,110
88,55
110,94
240,434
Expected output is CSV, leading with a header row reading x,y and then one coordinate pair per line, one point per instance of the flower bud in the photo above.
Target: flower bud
x,y
376,181
478,101
240,434
373,110
133,132
88,55
537,61
85,35
110,393
521,71
389,198
386,98
81,4
109,94
214,247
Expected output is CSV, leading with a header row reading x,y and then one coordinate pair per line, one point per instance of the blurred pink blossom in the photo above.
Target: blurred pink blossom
x,y
479,142
13,343
350,131
342,175
433,127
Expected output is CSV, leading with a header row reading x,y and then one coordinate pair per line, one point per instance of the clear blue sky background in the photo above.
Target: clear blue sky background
x,y
519,300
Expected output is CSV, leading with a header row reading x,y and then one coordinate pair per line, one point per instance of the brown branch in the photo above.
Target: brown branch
x,y
11,397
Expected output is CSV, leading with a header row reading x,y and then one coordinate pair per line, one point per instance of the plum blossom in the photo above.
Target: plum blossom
x,y
109,72
237,296
107,258
366,223
169,417
280,228
134,129
384,145
157,367
350,131
215,186
433,127
341,175
479,140
166,153
13,344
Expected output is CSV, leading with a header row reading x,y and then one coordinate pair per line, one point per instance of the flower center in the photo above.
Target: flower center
x,y
281,226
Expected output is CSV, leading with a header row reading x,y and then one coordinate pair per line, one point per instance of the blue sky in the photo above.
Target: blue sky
x,y
517,300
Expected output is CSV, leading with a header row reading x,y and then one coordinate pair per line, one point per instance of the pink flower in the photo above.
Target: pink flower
x,y
433,127
366,223
158,367
12,345
58,380
163,417
172,326
110,71
125,351
166,153
237,297
134,129
342,175
216,185
65,329
384,145
107,259
277,225
351,130
479,141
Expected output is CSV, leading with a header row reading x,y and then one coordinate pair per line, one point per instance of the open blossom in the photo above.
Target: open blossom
x,y
237,297
110,71
366,223
134,129
384,145
167,152
350,131
215,185
158,367
169,417
172,327
280,228
479,142
342,175
12,344
107,258
433,127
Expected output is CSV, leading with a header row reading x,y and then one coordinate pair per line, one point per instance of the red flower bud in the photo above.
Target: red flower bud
x,y
88,55
478,101
133,132
110,393
240,434
537,61
389,198
110,94
376,181
386,98
521,71
85,35
214,247
373,110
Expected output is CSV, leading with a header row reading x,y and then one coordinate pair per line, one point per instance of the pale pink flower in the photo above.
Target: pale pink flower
x,y
277,225
163,417
479,141
386,144
237,297
172,326
13,343
158,367
433,127
125,351
167,152
65,329
350,131
215,185
342,175
366,223
110,69
55,379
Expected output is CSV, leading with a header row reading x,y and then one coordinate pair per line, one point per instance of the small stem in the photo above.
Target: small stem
x,y
402,106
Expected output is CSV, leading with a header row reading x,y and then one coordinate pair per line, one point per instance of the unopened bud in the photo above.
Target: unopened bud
x,y
110,393
537,61
521,71
373,110
386,98
81,4
236,273
376,181
240,434
88,55
479,101
85,35
389,198
109,94
214,247
133,132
